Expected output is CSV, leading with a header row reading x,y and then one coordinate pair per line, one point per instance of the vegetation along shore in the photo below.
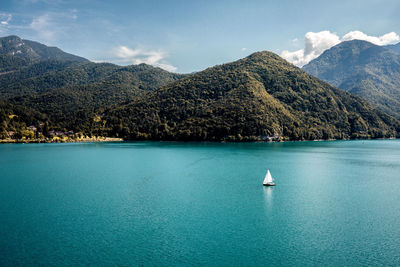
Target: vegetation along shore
x,y
47,95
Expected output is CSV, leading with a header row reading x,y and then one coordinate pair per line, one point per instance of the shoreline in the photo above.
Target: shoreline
x,y
115,139
49,141
258,141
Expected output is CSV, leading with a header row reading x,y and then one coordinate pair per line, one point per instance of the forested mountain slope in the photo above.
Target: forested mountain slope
x,y
364,69
258,96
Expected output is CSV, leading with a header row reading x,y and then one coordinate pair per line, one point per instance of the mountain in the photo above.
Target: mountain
x,y
250,99
24,59
50,69
96,86
46,76
395,47
14,46
256,98
64,89
364,69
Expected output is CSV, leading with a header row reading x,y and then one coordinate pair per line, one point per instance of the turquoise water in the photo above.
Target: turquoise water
x,y
335,203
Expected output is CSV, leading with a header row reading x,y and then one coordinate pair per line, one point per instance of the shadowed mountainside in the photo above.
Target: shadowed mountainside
x,y
364,69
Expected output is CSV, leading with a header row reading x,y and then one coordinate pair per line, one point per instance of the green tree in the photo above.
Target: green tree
x,y
46,129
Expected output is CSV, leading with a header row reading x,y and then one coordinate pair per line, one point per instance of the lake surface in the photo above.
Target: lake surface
x,y
335,203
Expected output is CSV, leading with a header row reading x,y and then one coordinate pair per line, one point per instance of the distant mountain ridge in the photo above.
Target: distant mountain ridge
x,y
365,69
88,87
33,51
256,98
250,99
395,47
64,89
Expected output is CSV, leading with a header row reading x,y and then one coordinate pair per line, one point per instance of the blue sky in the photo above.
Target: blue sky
x,y
186,36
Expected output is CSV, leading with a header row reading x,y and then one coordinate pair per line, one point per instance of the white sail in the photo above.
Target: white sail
x,y
268,178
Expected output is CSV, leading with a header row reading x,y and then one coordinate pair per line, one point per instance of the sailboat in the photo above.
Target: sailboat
x,y
268,180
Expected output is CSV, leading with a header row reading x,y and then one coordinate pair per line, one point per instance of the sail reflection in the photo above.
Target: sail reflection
x,y
268,196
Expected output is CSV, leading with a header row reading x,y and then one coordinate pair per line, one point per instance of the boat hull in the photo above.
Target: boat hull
x,y
269,184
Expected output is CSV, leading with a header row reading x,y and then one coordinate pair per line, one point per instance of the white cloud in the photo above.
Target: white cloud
x,y
50,26
385,39
126,55
74,13
244,49
315,43
52,2
43,26
47,27
5,18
